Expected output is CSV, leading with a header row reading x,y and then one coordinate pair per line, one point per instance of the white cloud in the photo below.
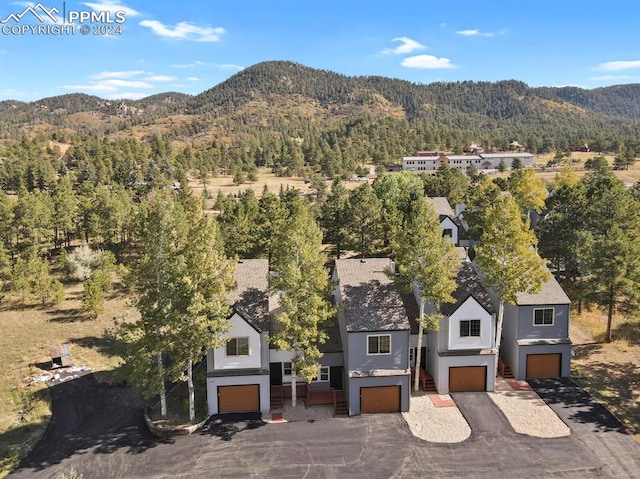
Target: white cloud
x,y
197,63
408,45
110,85
472,32
229,66
111,6
611,77
193,78
159,78
618,65
127,96
118,74
184,31
427,62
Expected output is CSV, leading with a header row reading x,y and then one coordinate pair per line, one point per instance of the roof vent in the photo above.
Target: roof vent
x,y
363,260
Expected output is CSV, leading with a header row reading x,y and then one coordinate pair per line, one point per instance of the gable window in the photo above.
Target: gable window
x,y
286,369
379,344
470,328
238,347
322,376
447,232
543,317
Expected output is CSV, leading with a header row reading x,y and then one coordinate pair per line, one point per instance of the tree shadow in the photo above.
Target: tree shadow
x,y
68,315
629,331
90,417
584,351
574,404
226,426
105,345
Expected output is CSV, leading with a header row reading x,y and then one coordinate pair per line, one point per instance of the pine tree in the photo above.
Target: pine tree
x,y
334,215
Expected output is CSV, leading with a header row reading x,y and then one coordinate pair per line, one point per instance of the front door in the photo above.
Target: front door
x,y
275,374
335,377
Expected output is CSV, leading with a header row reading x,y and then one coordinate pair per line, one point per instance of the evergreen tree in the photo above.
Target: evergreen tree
x,y
334,216
364,224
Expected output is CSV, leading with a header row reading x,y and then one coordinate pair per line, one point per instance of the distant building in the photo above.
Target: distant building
x,y
483,161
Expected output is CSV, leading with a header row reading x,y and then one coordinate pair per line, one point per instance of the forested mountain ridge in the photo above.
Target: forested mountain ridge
x,y
286,100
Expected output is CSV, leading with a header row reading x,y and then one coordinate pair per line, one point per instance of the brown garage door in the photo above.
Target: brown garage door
x,y
543,365
467,379
243,398
380,399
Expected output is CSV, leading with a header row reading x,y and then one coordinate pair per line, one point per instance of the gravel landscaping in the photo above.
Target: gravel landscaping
x,y
528,414
525,411
436,424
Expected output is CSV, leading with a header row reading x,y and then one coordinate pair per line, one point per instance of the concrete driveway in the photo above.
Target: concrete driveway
x,y
99,431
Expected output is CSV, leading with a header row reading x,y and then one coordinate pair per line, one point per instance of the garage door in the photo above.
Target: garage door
x,y
543,365
380,399
467,379
243,398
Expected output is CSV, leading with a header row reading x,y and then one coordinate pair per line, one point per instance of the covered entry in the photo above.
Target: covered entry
x,y
379,399
543,365
244,398
467,379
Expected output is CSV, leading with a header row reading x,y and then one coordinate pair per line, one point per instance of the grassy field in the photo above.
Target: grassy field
x,y
273,183
27,334
609,371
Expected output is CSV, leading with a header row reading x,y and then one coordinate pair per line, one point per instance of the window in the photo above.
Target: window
x,y
286,369
412,354
379,344
470,328
543,317
447,232
323,375
238,347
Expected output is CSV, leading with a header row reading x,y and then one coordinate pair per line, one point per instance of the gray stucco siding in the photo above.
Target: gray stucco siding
x,y
358,359
558,330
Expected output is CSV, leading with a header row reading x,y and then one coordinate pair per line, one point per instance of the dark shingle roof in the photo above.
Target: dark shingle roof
x,y
370,300
442,206
468,284
250,298
551,293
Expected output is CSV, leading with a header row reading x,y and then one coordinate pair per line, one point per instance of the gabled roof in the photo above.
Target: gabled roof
x,y
551,293
250,299
468,285
442,206
370,299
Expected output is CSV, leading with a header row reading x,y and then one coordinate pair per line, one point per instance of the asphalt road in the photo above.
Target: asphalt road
x,y
99,431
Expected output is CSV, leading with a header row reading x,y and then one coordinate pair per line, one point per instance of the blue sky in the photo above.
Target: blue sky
x,y
190,46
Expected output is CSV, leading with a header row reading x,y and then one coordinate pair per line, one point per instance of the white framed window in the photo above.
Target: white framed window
x,y
238,347
470,328
447,232
287,368
379,344
412,354
323,375
543,317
